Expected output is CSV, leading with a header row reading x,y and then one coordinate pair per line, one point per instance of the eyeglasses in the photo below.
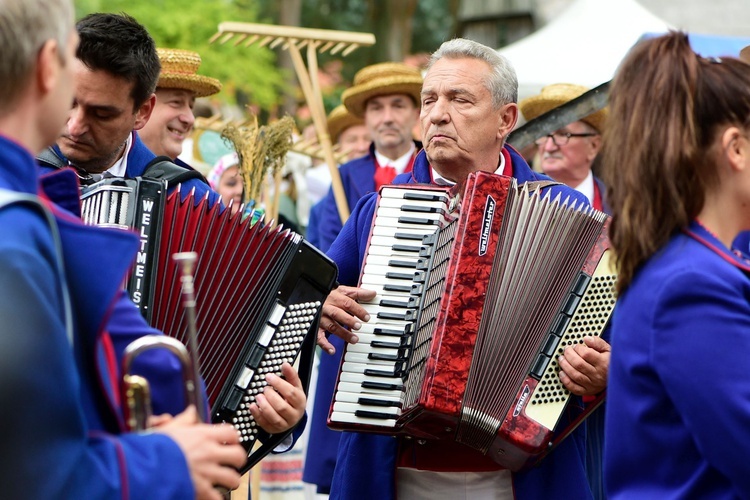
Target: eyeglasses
x,y
561,138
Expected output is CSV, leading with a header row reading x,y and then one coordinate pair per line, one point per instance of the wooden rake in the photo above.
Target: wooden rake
x,y
294,39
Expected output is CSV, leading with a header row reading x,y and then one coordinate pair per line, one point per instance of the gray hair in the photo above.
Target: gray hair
x,y
502,82
25,26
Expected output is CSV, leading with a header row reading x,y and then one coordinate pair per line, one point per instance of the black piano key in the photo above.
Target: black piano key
x,y
406,248
377,356
398,288
402,263
385,345
382,386
408,236
389,331
380,373
418,220
422,209
416,289
378,402
394,303
399,276
392,315
423,196
429,239
374,414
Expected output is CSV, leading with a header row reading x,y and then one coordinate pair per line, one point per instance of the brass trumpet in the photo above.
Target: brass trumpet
x,y
136,391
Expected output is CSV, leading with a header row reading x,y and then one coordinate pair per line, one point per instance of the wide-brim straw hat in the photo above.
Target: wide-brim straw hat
x,y
556,95
745,54
340,119
179,70
382,79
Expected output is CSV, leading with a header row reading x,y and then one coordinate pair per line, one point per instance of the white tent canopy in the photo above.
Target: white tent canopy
x,y
584,45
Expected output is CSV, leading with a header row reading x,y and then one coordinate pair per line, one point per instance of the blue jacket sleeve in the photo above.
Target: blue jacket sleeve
x,y
38,375
329,223
160,367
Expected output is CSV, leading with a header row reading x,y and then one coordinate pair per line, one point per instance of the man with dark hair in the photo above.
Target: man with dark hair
x,y
61,427
117,69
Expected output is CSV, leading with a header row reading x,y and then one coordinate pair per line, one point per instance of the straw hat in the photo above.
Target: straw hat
x,y
179,70
745,54
556,95
339,119
382,79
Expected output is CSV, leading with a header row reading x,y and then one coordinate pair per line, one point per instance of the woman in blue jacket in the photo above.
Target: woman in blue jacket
x,y
677,151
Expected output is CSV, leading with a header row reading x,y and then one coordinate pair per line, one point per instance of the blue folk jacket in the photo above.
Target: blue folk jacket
x,y
139,157
678,409
366,463
72,400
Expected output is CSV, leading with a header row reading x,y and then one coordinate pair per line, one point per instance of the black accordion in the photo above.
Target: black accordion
x,y
258,291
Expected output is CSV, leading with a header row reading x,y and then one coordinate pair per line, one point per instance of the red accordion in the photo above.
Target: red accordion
x,y
258,291
477,296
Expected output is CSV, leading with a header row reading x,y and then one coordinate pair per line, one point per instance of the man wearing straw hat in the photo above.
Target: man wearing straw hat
x,y
61,426
179,85
386,96
568,154
114,97
116,70
468,108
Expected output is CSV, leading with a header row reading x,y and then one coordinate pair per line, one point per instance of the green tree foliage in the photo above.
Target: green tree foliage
x,y
249,74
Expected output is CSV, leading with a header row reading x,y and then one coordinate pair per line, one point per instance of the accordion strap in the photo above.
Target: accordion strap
x,y
164,169
8,197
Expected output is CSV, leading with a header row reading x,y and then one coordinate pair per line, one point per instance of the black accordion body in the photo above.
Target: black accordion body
x,y
258,291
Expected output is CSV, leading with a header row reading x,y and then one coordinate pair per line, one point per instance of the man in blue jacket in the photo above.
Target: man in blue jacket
x,y
62,431
117,69
172,119
386,97
468,109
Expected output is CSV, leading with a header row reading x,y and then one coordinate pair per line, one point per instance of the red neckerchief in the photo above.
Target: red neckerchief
x,y
597,202
385,174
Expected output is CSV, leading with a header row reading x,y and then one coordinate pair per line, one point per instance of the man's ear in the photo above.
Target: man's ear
x,y
47,67
144,112
507,120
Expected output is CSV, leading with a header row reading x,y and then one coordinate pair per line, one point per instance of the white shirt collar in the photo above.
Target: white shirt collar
x,y
587,187
121,166
442,181
399,163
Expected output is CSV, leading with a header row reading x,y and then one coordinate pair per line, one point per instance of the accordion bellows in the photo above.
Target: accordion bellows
x,y
258,290
477,296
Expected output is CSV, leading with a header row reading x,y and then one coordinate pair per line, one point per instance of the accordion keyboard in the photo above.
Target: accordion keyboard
x,y
370,390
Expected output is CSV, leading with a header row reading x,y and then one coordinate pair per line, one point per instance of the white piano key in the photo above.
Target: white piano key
x,y
358,357
373,269
343,407
351,397
400,202
370,279
386,212
392,230
368,348
348,418
357,388
359,378
385,260
391,192
352,367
